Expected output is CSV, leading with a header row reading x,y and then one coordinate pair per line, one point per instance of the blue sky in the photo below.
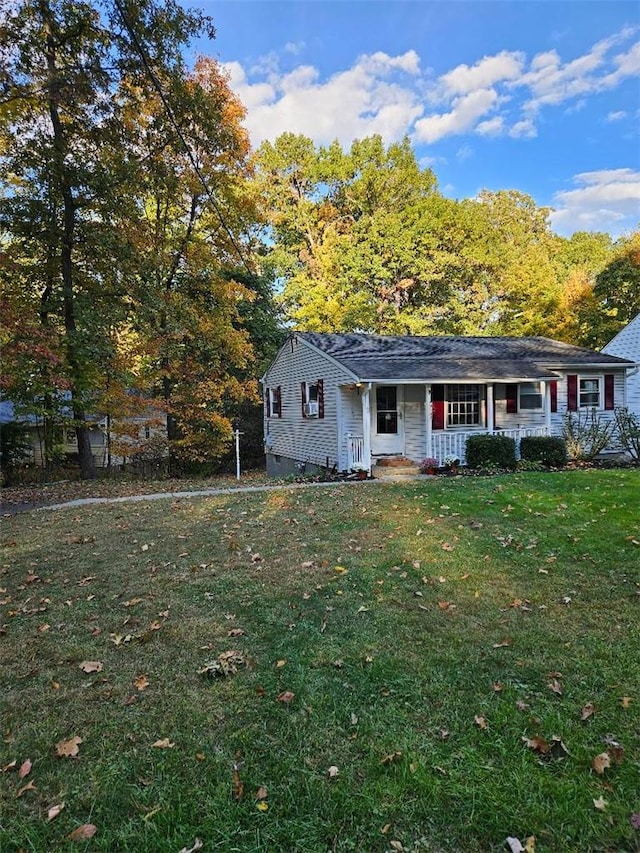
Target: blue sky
x,y
542,97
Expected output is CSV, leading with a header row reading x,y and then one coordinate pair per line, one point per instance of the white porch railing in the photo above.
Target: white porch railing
x,y
355,453
450,443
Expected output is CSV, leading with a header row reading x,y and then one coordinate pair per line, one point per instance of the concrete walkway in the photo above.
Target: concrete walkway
x,y
200,493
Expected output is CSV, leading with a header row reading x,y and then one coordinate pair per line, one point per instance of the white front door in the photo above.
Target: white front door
x,y
387,421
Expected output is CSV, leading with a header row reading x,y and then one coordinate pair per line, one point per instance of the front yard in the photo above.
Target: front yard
x,y
436,666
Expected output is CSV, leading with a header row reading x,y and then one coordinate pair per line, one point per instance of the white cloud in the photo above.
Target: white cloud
x,y
491,127
484,74
295,47
524,129
463,116
371,97
604,200
616,116
551,82
498,95
464,153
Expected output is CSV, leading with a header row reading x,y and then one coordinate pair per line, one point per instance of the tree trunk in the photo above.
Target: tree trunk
x,y
85,456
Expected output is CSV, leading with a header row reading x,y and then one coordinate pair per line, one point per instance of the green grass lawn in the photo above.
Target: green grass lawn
x,y
436,637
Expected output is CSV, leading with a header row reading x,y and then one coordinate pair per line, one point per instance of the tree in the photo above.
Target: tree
x,y
617,289
187,299
108,226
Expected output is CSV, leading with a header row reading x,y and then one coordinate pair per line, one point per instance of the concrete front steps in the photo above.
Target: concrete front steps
x,y
394,468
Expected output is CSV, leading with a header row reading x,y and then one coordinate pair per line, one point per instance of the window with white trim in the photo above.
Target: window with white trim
x,y
530,396
589,393
274,402
313,399
463,405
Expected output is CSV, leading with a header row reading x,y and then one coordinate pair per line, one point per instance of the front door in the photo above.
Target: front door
x,y
387,432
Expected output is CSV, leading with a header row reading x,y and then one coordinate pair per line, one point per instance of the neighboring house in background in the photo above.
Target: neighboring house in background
x,y
342,401
626,344
107,443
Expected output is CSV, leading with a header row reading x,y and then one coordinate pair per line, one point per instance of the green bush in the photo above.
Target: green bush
x,y
489,450
587,434
548,449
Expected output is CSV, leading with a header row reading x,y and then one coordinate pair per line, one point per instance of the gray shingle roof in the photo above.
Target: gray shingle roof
x,y
442,358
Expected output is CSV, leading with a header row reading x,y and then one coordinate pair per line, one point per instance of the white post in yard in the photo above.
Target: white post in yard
x,y
237,434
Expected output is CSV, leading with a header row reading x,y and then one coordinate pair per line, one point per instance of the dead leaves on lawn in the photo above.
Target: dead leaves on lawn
x,y
226,664
68,748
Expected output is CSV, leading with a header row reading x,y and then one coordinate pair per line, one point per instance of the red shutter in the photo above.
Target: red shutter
x,y
320,398
608,391
303,396
278,402
437,407
572,393
553,393
267,402
512,398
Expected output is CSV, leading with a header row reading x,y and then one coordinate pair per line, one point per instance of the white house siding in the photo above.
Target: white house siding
x,y
415,427
292,439
351,419
626,344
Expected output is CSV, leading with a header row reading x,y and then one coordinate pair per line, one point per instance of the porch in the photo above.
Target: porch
x,y
443,444
419,420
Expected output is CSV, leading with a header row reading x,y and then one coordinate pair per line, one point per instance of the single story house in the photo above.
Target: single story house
x,y
108,442
343,401
626,344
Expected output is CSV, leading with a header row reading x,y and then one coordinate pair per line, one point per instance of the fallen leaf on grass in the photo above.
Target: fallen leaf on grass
x,y
89,666
396,845
281,663
635,820
480,721
503,644
333,771
555,686
237,785
54,811
588,711
515,845
197,845
10,766
262,806
83,833
141,682
601,762
554,748
68,748
164,743
261,793
224,665
393,756
25,768
601,804
625,701
286,697
30,786
537,744
236,632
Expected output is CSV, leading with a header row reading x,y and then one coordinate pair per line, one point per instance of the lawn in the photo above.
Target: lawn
x,y
435,665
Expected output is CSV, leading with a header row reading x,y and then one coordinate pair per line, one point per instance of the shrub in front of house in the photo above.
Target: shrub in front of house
x,y
549,449
490,451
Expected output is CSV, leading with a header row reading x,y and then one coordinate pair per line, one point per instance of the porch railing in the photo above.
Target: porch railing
x,y
355,452
452,443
